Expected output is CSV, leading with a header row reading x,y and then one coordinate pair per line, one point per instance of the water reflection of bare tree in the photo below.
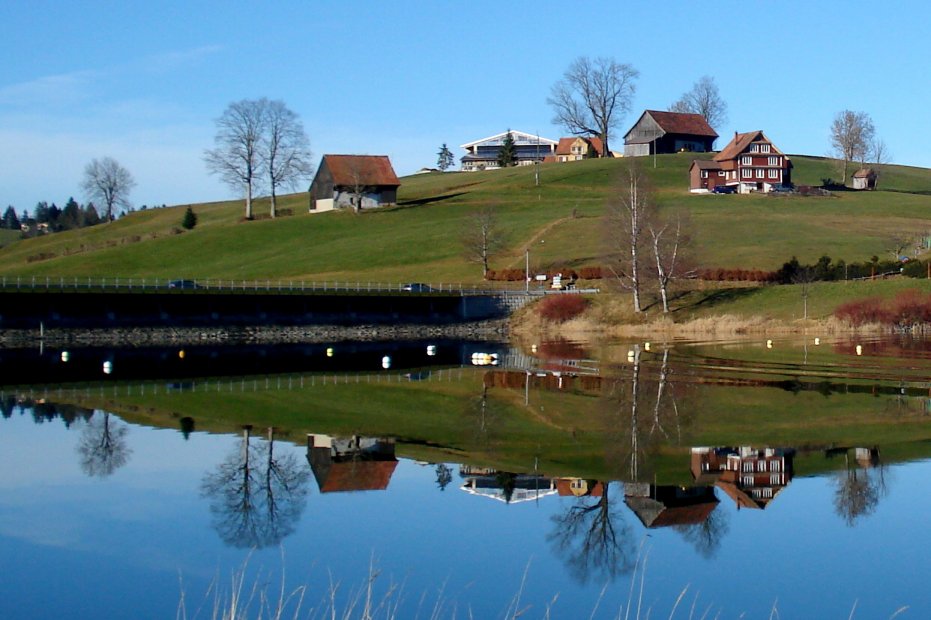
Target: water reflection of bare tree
x,y
102,446
481,412
593,539
706,536
860,486
642,413
256,495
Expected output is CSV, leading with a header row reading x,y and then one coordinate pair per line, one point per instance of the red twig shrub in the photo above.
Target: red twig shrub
x,y
561,308
863,311
911,307
590,273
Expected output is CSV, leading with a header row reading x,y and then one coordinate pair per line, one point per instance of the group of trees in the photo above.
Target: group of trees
x,y
259,145
73,215
853,139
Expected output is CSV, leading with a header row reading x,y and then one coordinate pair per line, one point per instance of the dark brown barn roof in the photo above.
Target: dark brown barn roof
x,y
358,476
371,170
678,122
706,164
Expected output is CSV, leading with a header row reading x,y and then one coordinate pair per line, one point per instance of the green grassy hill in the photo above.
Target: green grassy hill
x,y
561,222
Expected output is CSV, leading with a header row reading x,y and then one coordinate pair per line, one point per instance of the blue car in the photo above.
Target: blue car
x,y
724,189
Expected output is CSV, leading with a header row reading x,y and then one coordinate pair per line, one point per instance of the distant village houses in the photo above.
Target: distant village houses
x,y
578,148
658,132
749,163
483,154
363,181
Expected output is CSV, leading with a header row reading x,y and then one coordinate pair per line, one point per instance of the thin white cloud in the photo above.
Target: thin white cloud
x,y
64,89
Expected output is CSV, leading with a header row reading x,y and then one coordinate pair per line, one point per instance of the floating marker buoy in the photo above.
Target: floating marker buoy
x,y
533,348
817,341
329,352
431,350
65,356
107,367
769,344
181,354
859,349
386,362
630,356
646,346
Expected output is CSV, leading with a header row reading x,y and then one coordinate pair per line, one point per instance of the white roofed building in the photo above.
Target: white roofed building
x,y
483,154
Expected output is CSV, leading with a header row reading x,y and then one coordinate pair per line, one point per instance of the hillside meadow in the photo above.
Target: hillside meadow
x,y
560,222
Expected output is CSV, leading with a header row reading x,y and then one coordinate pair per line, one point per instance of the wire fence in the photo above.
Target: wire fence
x,y
216,285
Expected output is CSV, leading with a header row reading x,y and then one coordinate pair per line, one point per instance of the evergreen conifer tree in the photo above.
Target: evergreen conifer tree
x,y
507,154
445,159
190,219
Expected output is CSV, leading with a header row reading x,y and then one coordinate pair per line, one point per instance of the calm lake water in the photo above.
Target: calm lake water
x,y
469,479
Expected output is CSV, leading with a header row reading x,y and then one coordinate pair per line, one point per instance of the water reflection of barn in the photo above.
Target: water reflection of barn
x,y
503,486
669,505
752,477
351,463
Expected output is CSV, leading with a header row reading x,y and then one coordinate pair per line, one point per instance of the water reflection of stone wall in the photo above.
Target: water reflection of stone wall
x,y
351,463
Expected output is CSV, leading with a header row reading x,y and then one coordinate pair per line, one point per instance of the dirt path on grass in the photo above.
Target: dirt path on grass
x,y
538,235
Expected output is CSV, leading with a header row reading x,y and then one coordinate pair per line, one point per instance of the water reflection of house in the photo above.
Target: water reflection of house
x,y
351,463
579,487
503,486
752,477
668,505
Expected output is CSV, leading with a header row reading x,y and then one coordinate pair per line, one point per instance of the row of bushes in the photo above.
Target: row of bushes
x,y
737,275
908,308
518,275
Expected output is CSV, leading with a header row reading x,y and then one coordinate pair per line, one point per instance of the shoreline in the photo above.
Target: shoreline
x,y
141,336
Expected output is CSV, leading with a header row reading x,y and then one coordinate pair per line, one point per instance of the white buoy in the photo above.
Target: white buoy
x,y
329,351
769,344
859,349
107,367
181,354
533,348
630,356
431,350
817,341
386,362
65,356
646,346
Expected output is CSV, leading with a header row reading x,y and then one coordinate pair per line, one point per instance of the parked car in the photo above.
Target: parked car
x,y
724,189
416,287
781,189
183,284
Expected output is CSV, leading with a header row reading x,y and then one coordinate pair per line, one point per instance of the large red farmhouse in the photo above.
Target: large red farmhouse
x,y
749,163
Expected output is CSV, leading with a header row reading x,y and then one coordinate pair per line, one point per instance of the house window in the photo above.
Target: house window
x,y
775,479
748,466
746,173
768,493
774,466
721,173
704,174
761,466
773,173
759,173
746,160
773,161
747,481
764,148
754,148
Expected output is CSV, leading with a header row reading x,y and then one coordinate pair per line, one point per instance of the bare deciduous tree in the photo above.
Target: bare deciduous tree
x,y
109,183
703,99
236,157
852,135
668,240
286,150
628,212
592,96
879,156
482,238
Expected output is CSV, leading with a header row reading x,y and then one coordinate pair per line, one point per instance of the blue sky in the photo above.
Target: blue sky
x,y
143,83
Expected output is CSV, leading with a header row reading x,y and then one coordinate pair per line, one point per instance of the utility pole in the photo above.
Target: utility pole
x,y
527,271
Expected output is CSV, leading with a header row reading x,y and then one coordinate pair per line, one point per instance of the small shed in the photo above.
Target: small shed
x,y
865,178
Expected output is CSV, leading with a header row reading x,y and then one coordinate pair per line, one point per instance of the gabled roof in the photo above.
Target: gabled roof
x,y
520,137
565,144
864,173
370,170
705,164
679,123
742,142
